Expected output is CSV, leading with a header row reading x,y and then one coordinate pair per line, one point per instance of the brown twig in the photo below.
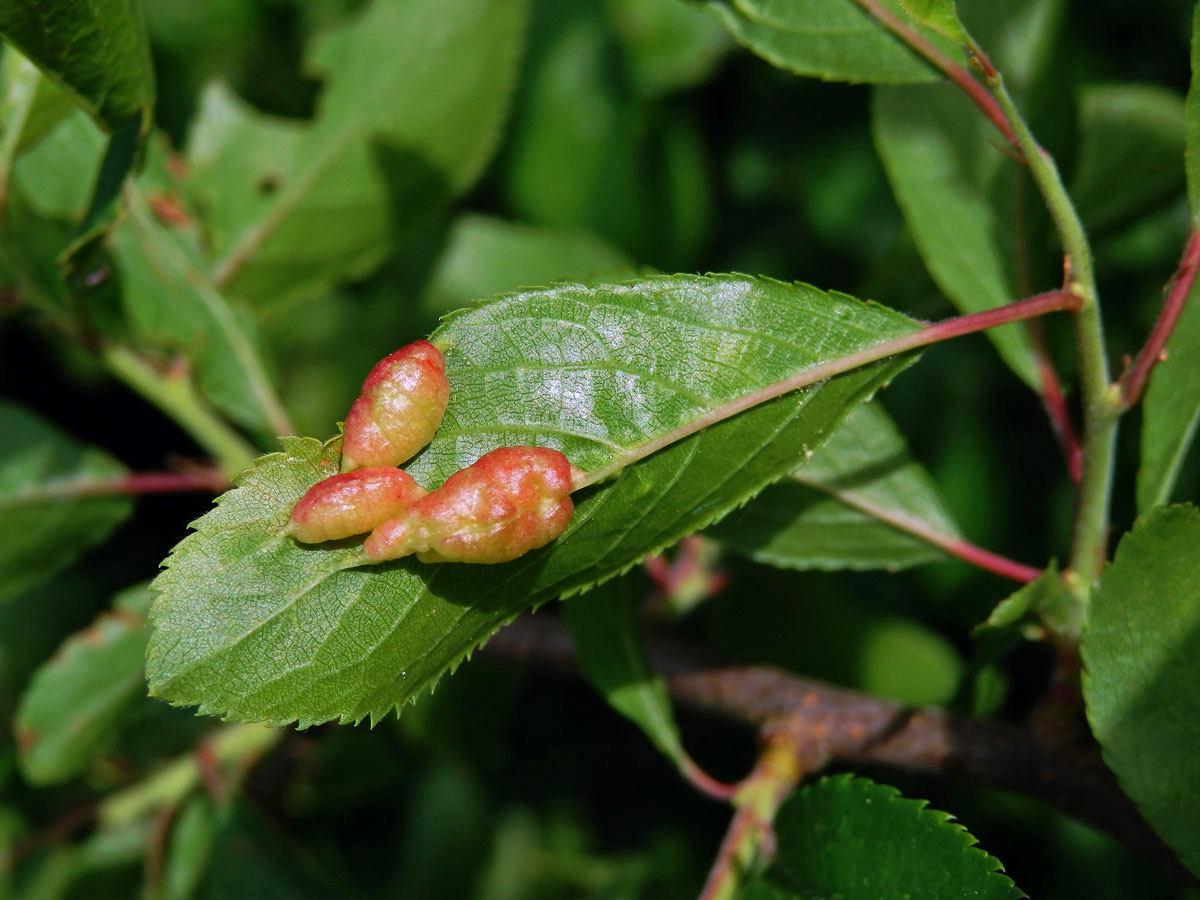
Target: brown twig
x,y
836,726
1154,351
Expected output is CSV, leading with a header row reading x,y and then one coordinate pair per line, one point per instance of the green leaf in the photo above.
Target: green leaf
x,y
171,303
1192,125
98,49
585,157
251,625
1171,409
1171,406
940,162
30,106
603,627
668,45
835,40
190,848
859,502
1131,139
56,176
940,15
1141,655
1043,603
854,839
415,97
485,256
47,517
69,712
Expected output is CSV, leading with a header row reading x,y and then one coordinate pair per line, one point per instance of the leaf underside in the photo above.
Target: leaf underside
x,y
251,625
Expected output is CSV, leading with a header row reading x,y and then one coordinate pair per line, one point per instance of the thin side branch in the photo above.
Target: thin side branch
x,y
957,547
1154,351
958,326
838,727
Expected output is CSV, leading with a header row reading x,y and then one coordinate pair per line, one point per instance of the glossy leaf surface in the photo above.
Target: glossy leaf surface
x,y
596,372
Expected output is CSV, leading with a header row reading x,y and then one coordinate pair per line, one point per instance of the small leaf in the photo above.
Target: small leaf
x,y
1141,654
603,627
46,518
835,40
1131,137
854,839
940,162
860,502
251,625
96,48
1027,613
68,713
940,15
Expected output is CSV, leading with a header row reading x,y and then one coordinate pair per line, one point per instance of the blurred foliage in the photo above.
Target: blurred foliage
x,y
623,136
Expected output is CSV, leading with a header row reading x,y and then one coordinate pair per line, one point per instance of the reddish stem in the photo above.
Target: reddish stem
x,y
705,783
197,478
922,337
1056,405
1153,352
963,549
991,562
977,92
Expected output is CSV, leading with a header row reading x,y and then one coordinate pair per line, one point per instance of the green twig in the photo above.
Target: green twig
x,y
176,396
751,836
235,747
1101,399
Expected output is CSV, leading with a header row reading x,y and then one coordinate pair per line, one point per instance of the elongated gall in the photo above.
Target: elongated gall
x,y
510,501
399,409
352,503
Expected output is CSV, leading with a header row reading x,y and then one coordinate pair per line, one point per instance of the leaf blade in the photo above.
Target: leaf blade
x,y
99,50
45,520
849,837
603,628
1171,407
1140,648
840,509
834,41
535,367
938,161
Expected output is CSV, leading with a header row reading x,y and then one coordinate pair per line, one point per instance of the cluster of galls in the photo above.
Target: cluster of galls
x,y
506,503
